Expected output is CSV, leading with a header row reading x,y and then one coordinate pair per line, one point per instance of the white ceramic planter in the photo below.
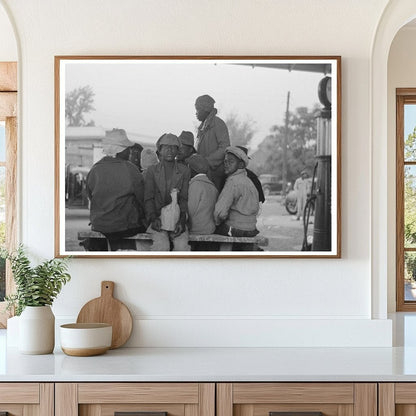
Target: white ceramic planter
x,y
36,330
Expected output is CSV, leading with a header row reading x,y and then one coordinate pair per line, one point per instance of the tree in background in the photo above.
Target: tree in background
x,y
410,206
301,145
241,132
78,103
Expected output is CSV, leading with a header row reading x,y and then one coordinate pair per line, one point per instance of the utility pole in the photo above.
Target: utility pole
x,y
285,142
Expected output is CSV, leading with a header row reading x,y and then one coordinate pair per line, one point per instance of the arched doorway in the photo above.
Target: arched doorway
x,y
397,14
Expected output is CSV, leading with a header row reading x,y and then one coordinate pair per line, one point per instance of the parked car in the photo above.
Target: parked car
x,y
271,184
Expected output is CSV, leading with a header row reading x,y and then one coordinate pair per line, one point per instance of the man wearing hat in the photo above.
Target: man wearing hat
x,y
186,149
160,180
254,178
212,138
238,204
115,188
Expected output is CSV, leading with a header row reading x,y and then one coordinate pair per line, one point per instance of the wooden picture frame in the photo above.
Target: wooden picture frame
x,y
285,111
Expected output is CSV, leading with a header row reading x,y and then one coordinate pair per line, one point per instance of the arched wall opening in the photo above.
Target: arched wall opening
x,y
8,45
397,14
401,73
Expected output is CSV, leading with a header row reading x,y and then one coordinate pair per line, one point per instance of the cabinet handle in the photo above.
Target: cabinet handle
x,y
138,414
296,414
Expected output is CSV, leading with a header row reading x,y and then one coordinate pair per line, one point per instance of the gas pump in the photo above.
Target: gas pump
x,y
322,222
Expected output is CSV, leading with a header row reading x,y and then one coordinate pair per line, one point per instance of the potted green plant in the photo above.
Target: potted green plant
x,y
36,289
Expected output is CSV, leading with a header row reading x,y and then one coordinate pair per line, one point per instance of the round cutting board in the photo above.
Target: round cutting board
x,y
107,309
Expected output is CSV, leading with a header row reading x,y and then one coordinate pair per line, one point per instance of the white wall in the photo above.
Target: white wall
x,y
223,301
401,74
8,47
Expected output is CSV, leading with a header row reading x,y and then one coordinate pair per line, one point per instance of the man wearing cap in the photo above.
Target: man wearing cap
x,y
238,204
202,197
254,178
160,180
212,138
186,149
115,188
132,153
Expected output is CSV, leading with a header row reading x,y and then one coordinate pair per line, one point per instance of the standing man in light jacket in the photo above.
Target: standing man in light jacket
x,y
212,139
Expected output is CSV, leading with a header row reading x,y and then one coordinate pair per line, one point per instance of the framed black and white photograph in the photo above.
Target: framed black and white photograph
x,y
198,156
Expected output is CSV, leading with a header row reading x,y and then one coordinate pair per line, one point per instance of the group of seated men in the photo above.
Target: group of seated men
x,y
176,182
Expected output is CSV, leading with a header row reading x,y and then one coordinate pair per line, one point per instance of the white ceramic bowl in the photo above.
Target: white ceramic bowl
x,y
83,340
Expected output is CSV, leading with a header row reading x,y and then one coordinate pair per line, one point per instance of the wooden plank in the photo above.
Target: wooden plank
x,y
170,409
264,410
90,410
224,399
138,393
58,249
110,409
8,105
24,393
8,76
205,238
293,393
31,410
365,399
207,399
47,399
406,410
66,399
13,409
405,393
190,410
11,196
405,91
11,206
245,410
386,399
399,203
345,410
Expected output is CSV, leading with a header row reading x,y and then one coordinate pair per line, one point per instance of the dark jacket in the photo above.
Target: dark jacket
x,y
212,140
156,194
254,178
115,188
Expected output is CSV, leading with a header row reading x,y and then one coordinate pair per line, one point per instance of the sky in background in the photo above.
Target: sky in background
x,y
409,119
152,98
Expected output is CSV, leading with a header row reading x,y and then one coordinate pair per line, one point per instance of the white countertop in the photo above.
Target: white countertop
x,y
221,364
215,364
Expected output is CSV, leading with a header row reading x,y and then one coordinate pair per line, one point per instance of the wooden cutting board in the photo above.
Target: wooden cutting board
x,y
107,309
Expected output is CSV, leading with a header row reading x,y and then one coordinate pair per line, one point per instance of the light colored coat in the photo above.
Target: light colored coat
x,y
202,196
238,203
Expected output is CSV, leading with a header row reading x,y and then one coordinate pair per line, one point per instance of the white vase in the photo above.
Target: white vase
x,y
12,333
36,330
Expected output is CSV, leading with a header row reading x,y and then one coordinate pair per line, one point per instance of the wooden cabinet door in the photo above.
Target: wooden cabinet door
x,y
27,399
154,399
397,399
275,399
